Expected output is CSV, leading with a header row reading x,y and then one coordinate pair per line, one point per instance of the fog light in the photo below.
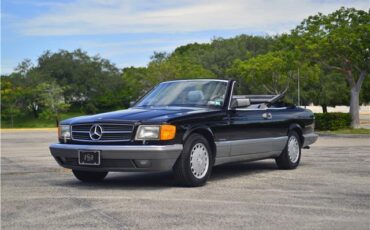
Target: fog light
x,y
143,163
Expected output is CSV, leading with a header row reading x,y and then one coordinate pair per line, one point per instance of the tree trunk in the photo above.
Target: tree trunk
x,y
354,108
11,121
35,113
57,119
324,108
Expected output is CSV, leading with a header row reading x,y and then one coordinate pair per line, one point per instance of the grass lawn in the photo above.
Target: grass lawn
x,y
31,122
347,131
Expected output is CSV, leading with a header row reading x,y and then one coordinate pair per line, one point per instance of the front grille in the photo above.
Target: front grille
x,y
109,132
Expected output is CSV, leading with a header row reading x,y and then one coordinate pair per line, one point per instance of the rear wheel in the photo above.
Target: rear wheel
x,y
88,176
291,155
194,165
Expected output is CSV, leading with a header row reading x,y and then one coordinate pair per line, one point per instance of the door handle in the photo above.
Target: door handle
x,y
267,116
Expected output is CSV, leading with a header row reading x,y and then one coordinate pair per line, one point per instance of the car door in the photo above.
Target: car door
x,y
279,121
251,131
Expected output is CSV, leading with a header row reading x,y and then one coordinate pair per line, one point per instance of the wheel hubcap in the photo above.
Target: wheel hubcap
x,y
199,160
293,149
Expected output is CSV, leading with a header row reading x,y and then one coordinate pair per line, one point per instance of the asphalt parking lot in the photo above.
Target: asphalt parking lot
x,y
330,190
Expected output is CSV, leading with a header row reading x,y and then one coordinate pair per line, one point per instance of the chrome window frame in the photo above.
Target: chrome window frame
x,y
246,109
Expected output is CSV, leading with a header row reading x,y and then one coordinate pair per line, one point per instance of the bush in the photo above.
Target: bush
x,y
89,108
332,121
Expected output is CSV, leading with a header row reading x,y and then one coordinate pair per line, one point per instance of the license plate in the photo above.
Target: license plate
x,y
89,157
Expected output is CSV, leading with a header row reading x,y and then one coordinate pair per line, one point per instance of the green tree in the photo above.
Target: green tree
x,y
136,84
53,101
339,41
365,92
11,104
324,89
24,67
271,72
219,55
32,96
162,67
91,82
172,67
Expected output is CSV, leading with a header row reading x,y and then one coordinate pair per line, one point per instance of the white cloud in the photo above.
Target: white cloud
x,y
114,17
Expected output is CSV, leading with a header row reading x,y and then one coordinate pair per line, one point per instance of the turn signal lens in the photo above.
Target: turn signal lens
x,y
168,132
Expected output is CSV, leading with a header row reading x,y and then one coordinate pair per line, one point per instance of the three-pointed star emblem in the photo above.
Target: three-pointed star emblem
x,y
96,132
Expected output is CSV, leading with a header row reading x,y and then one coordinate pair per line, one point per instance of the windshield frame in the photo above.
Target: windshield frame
x,y
224,105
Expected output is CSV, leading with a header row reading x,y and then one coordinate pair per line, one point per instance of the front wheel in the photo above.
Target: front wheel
x,y
291,155
194,166
87,176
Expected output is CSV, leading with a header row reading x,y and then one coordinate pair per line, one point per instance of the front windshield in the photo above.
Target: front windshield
x,y
197,93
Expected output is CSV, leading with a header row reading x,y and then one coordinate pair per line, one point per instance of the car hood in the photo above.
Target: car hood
x,y
142,115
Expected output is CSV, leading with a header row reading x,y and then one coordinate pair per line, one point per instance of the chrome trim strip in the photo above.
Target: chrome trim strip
x,y
246,109
115,131
137,148
263,109
197,80
100,141
103,123
256,140
231,96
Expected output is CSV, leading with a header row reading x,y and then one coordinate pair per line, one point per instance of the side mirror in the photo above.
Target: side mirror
x,y
240,102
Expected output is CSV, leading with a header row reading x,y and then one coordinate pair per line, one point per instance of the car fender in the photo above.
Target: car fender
x,y
297,127
206,132
199,129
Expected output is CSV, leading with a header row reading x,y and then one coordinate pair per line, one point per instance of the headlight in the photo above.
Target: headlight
x,y
155,132
64,132
147,132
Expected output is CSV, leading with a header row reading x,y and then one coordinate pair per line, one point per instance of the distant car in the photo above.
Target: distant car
x,y
187,126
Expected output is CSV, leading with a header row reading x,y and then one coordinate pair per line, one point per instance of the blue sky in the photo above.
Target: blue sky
x,y
127,32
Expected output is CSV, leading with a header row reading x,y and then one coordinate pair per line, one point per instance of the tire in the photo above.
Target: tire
x,y
87,176
195,163
288,158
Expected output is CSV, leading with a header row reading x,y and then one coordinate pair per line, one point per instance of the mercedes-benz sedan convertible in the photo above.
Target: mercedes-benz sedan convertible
x,y
187,126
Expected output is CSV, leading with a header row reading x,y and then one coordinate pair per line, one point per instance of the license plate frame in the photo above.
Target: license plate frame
x,y
89,157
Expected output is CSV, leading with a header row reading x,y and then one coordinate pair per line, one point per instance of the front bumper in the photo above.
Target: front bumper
x,y
309,139
119,157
